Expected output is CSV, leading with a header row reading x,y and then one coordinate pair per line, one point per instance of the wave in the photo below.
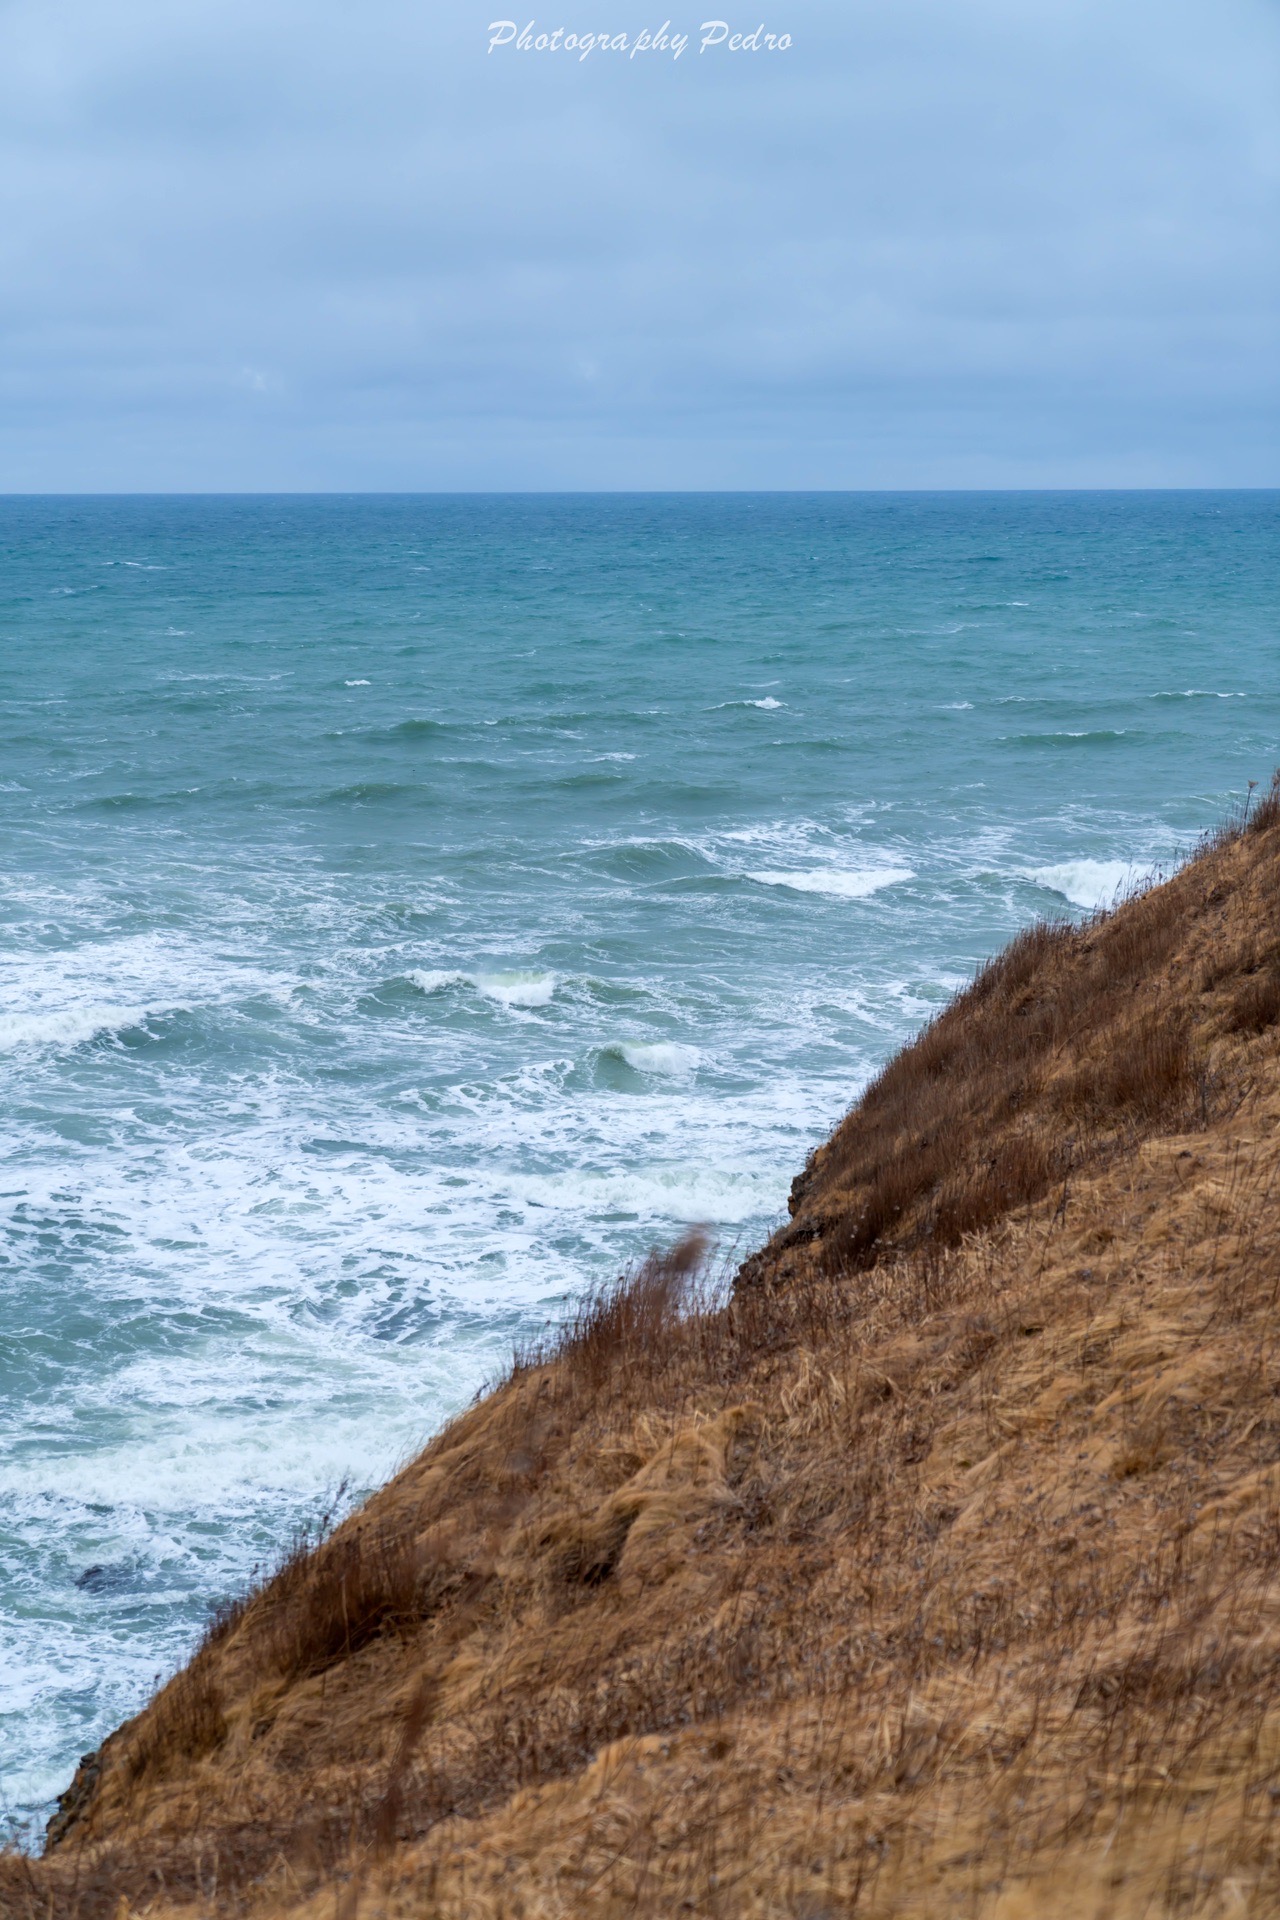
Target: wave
x,y
1066,736
654,1056
73,1026
518,988
361,792
678,1191
650,861
422,727
109,988
1197,693
767,705
128,802
585,780
435,979
1089,883
855,883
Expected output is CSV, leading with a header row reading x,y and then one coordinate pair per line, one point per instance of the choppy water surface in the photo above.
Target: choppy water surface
x,y
413,908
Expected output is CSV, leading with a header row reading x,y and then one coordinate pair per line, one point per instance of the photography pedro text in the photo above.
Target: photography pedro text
x,y
713,33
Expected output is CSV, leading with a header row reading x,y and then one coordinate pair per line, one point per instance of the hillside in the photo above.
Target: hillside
x,y
936,1571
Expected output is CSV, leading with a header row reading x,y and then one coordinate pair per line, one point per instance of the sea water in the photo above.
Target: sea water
x,y
415,908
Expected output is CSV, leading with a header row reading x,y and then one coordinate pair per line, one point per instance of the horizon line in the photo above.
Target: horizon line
x,y
588,493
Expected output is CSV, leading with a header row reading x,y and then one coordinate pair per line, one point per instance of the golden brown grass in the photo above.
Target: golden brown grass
x,y
936,1571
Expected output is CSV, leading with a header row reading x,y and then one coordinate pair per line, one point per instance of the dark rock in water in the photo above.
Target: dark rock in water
x,y
73,1802
105,1579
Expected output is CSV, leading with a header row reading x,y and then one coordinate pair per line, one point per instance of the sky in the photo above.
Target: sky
x,y
289,245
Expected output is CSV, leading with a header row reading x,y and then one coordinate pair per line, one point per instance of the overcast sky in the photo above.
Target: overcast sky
x,y
338,244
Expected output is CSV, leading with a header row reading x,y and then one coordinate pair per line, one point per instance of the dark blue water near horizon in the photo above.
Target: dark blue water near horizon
x,y
414,907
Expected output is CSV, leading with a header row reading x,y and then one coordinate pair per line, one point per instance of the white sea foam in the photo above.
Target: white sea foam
x,y
357,683
680,1191
1089,883
63,999
218,1450
856,883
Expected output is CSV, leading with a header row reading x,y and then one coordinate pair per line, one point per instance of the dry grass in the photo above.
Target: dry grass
x,y
1256,1004
1067,1021
935,1571
325,1605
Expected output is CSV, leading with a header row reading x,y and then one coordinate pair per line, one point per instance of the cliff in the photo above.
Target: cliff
x,y
935,1571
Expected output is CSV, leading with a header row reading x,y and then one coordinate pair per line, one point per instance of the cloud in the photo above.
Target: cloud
x,y
278,246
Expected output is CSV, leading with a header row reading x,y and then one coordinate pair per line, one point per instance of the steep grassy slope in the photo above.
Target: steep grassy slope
x,y
937,1571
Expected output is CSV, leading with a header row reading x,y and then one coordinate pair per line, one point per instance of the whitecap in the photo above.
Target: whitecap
x,y
958,706
434,979
514,989
658,1056
357,683
1088,883
1197,693
517,989
69,1026
844,883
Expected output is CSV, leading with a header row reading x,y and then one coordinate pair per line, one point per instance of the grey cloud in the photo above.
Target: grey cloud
x,y
934,244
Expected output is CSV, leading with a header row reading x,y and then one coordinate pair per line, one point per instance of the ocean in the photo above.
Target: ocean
x,y
415,908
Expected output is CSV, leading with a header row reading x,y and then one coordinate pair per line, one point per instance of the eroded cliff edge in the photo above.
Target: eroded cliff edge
x,y
936,1571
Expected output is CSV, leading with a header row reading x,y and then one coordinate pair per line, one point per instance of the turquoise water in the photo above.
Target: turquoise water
x,y
415,907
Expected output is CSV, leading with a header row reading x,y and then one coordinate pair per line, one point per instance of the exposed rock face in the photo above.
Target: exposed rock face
x,y
935,1572
75,1800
